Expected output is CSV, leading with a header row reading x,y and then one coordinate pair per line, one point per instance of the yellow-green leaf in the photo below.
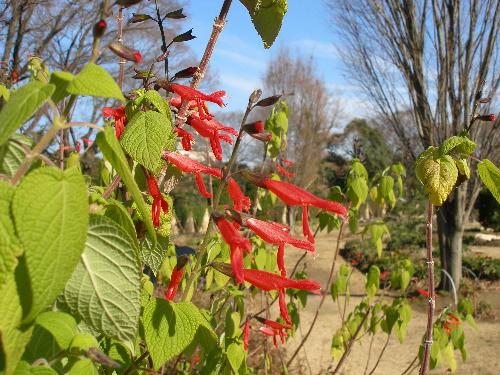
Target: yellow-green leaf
x,y
94,80
490,175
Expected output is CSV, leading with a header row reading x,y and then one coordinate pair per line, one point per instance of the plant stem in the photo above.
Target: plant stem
x,y
121,77
37,150
164,46
323,297
432,296
380,355
219,22
133,365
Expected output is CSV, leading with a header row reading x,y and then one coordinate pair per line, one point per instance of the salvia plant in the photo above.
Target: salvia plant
x,y
90,282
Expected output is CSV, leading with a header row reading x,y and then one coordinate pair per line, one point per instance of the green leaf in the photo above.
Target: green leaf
x,y
54,331
155,99
169,328
22,104
119,214
358,170
376,230
438,174
83,367
61,81
490,175
10,248
235,355
154,256
450,357
457,146
13,340
112,151
94,80
83,342
398,169
463,167
106,285
357,191
4,93
267,16
372,281
12,154
50,209
145,137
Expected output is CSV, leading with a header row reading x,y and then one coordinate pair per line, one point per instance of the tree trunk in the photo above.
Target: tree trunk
x,y
450,233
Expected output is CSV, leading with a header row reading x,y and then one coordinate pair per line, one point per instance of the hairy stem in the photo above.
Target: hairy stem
x,y
121,76
180,119
380,355
323,297
432,297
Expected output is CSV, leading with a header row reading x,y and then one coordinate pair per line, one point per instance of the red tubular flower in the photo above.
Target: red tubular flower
x,y
294,196
188,165
175,278
78,146
211,128
490,117
276,234
87,141
159,202
187,138
283,172
273,333
267,280
236,243
283,308
118,115
287,162
246,334
188,93
240,201
423,292
273,324
176,101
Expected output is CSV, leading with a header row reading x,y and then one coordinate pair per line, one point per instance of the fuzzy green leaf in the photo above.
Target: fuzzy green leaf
x,y
155,99
457,146
235,355
113,152
463,167
12,154
490,175
61,81
437,173
145,137
94,80
119,214
22,104
50,209
357,191
83,367
169,328
267,16
105,288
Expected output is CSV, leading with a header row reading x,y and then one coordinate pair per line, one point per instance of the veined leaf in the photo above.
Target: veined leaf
x,y
94,80
106,285
50,209
267,16
12,154
457,145
235,355
112,151
145,137
61,81
490,175
22,104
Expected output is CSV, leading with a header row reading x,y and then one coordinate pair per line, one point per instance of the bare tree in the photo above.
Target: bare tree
x,y
429,58
313,113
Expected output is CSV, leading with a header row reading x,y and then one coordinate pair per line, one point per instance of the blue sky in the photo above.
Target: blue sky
x,y
240,58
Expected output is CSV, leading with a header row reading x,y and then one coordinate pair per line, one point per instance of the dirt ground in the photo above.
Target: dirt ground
x,y
483,347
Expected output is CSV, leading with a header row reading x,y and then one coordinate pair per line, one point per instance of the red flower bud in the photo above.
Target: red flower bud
x,y
125,52
423,292
256,130
159,202
489,118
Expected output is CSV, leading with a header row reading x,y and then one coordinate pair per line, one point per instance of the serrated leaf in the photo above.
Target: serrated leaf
x,y
154,256
457,146
12,154
267,16
169,328
112,151
105,288
61,81
145,137
50,209
155,99
438,174
23,103
10,248
490,175
357,191
94,80
235,355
